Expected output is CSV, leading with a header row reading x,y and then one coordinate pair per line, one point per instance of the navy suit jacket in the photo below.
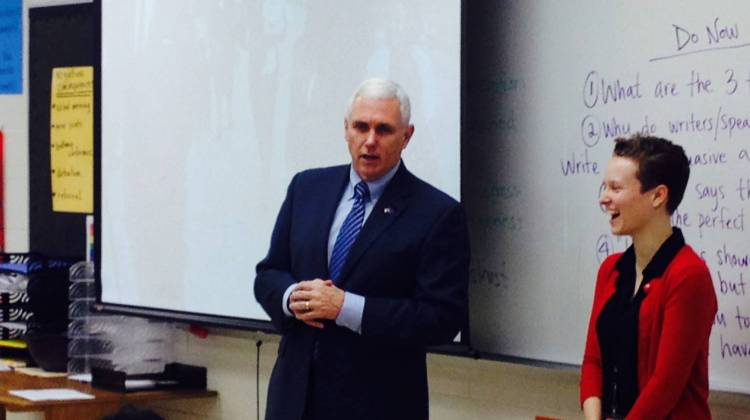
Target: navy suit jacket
x,y
410,262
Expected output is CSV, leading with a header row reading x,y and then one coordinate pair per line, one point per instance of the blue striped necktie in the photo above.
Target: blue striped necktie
x,y
349,230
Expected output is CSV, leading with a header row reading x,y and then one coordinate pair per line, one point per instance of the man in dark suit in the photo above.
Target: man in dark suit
x,y
367,266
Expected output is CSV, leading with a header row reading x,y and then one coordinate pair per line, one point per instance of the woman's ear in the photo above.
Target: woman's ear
x,y
660,196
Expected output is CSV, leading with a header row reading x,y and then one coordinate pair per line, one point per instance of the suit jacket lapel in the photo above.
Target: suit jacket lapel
x,y
389,207
329,197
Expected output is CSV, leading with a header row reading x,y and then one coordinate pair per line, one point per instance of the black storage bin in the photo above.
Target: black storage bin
x,y
44,308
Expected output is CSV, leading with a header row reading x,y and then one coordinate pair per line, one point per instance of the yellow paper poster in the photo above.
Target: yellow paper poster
x,y
72,139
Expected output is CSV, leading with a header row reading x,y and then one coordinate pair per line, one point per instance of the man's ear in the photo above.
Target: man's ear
x,y
408,134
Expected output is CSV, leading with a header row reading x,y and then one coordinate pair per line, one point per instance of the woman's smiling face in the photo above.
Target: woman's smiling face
x,y
629,208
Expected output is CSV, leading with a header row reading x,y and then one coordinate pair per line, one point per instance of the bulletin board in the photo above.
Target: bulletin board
x,y
59,37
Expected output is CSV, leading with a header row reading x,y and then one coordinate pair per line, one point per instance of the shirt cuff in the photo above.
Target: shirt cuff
x,y
351,312
285,300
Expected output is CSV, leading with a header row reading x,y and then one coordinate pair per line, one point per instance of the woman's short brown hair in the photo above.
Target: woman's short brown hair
x,y
659,162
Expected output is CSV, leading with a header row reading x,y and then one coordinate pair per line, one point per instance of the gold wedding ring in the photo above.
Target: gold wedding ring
x,y
307,306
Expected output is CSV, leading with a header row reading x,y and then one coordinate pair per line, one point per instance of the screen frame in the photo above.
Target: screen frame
x,y
459,348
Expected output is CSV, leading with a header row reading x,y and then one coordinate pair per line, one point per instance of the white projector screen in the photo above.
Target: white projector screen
x,y
208,108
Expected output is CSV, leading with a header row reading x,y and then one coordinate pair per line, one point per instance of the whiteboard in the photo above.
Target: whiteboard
x,y
209,107
552,84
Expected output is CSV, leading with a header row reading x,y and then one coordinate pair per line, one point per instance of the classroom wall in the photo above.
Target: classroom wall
x,y
460,388
15,124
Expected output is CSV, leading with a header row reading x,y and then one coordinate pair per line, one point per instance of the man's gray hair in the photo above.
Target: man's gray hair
x,y
382,89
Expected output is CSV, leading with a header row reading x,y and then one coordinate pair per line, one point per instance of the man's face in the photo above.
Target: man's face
x,y
376,136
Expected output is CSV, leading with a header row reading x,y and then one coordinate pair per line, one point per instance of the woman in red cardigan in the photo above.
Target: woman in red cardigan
x,y
646,354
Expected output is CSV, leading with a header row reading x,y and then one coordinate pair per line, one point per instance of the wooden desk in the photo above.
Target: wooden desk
x,y
104,403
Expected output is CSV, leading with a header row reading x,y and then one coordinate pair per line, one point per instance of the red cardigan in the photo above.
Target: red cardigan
x,y
675,322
